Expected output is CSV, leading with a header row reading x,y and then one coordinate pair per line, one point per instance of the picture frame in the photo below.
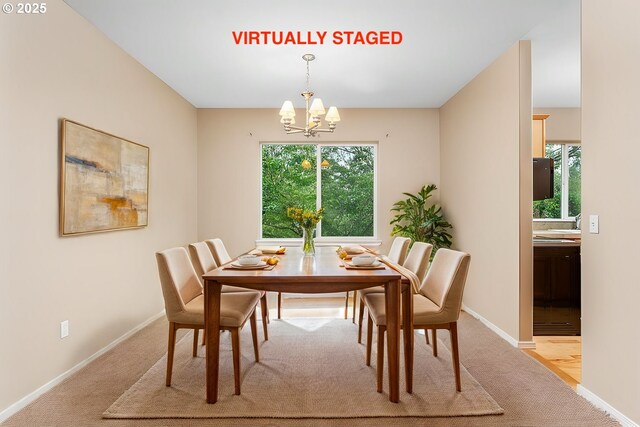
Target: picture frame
x,y
104,181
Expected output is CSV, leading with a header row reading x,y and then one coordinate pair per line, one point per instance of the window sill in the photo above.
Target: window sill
x,y
322,241
554,220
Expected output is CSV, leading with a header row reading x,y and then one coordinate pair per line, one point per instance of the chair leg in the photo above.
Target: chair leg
x,y
360,320
434,338
254,335
426,335
171,347
196,331
265,316
235,346
279,305
380,358
369,339
355,299
453,332
346,306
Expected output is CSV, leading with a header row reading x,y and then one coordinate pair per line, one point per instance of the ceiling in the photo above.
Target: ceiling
x,y
190,46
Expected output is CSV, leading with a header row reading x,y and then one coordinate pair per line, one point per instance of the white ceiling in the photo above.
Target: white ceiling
x,y
189,45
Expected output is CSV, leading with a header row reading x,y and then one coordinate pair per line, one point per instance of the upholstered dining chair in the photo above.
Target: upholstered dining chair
x,y
398,250
417,262
184,305
397,254
222,257
203,262
437,306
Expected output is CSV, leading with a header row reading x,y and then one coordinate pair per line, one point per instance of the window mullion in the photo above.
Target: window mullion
x,y
564,194
318,187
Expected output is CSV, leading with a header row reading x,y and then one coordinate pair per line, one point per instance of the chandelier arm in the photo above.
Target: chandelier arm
x,y
323,130
294,131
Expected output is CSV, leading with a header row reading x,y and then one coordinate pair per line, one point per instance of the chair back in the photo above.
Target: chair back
x,y
179,281
418,259
444,283
399,248
201,258
219,251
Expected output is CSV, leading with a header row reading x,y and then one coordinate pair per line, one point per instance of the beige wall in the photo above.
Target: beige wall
x,y
610,177
563,124
54,66
229,163
481,142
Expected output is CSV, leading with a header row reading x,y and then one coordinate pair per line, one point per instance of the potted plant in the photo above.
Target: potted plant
x,y
422,222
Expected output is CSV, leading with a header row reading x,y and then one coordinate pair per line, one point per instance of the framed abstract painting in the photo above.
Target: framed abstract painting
x,y
104,181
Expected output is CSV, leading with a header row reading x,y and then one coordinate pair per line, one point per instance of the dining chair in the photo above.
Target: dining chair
x,y
397,255
399,249
417,262
203,262
436,306
184,307
222,257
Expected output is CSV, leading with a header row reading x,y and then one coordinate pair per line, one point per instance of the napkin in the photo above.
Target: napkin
x,y
270,249
354,250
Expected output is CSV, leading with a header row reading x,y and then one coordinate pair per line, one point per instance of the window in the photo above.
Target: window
x,y
294,175
566,202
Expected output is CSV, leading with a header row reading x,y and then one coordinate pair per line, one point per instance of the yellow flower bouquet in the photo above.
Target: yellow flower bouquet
x,y
307,220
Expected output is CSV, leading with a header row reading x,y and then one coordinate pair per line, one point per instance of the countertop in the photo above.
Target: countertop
x,y
550,238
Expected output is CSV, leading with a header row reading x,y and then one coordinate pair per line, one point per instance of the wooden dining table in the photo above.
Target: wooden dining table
x,y
322,273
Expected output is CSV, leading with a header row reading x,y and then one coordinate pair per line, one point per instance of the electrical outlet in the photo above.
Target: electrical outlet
x,y
594,224
64,329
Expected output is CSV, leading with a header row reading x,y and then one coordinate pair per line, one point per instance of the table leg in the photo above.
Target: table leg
x,y
392,302
212,331
407,325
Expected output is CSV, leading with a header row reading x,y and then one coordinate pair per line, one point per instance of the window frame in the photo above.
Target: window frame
x,y
322,240
564,177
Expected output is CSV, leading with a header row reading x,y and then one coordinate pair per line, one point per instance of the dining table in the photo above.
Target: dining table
x,y
323,272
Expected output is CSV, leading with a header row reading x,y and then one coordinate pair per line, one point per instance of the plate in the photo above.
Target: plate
x,y
257,266
374,264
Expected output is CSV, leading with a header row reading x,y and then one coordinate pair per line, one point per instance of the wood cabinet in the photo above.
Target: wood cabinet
x,y
556,290
539,138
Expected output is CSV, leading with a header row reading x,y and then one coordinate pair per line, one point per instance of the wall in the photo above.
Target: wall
x,y
229,163
563,124
53,66
485,132
610,150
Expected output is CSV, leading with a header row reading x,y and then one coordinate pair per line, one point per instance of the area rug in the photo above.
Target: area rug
x,y
309,368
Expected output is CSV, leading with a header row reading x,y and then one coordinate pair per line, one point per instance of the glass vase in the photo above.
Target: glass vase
x,y
308,247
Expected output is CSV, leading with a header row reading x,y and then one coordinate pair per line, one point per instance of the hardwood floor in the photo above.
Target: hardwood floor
x,y
561,355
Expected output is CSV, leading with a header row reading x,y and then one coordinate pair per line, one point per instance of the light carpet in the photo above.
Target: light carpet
x,y
309,368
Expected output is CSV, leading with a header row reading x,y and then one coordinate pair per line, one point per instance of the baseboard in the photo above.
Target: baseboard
x,y
502,334
595,400
17,406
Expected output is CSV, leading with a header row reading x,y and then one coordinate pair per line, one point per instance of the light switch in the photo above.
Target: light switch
x,y
594,224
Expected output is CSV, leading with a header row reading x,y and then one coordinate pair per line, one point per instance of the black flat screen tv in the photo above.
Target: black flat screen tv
x,y
542,178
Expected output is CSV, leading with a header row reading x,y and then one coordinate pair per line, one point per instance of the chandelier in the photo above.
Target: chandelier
x,y
312,113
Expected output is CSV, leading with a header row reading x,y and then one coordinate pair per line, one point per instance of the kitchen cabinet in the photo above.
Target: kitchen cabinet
x,y
539,138
556,290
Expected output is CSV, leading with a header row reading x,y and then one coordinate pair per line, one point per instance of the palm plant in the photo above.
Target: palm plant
x,y
421,222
